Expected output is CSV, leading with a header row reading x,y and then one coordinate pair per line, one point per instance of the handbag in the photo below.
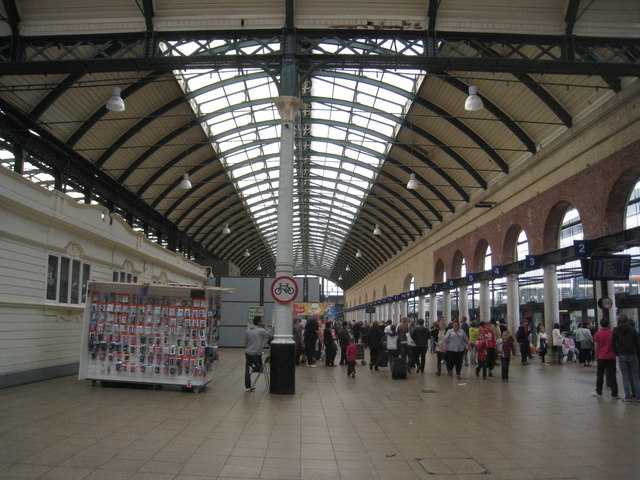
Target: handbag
x,y
410,342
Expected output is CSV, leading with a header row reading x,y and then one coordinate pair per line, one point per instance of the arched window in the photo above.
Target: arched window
x,y
632,213
632,220
522,246
487,258
570,283
570,229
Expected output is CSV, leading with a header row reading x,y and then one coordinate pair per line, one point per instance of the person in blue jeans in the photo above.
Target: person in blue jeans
x,y
625,344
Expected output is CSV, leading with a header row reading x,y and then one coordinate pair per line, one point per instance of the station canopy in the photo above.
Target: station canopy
x,y
383,87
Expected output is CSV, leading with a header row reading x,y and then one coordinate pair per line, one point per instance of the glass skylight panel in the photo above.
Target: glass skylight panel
x,y
244,123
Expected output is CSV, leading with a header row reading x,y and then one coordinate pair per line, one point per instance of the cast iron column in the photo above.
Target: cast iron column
x,y
283,366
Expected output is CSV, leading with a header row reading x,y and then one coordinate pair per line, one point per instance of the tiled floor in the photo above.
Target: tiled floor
x,y
543,424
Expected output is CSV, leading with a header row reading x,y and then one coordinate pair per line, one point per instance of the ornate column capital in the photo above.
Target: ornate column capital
x,y
288,107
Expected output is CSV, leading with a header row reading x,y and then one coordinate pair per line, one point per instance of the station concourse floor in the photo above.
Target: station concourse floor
x,y
542,424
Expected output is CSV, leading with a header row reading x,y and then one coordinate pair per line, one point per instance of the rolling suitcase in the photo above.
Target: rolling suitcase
x,y
383,358
360,353
398,368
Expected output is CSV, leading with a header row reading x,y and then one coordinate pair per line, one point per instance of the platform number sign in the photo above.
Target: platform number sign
x,y
582,248
497,271
532,261
284,289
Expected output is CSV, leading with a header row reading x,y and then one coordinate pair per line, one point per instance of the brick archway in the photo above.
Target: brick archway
x,y
618,200
509,243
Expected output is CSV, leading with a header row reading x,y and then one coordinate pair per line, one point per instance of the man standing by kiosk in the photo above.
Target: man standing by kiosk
x,y
254,341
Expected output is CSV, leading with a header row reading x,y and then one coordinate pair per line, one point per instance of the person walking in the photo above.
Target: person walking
x,y
343,341
543,344
456,342
374,338
556,340
480,346
506,349
473,338
420,336
311,338
440,347
523,337
296,330
605,360
464,326
254,339
625,344
330,347
351,355
433,335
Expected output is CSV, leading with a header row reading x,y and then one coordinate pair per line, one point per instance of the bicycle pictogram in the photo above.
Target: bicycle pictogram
x,y
284,288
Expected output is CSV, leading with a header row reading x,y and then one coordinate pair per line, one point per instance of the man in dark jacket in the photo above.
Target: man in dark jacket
x,y
625,344
311,337
374,338
343,340
420,336
523,338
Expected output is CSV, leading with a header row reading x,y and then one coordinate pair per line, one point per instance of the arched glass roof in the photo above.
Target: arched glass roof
x,y
349,122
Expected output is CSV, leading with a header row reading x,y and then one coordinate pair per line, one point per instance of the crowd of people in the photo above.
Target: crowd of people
x,y
460,342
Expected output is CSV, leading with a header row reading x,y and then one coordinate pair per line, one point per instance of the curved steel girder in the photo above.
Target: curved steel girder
x,y
528,143
413,193
207,197
250,264
153,149
171,163
353,270
367,80
347,103
54,152
189,194
395,209
236,223
378,243
206,212
227,244
446,149
350,249
390,215
348,219
254,126
129,134
65,84
542,94
474,137
394,163
548,100
238,258
380,238
365,246
55,94
102,111
160,111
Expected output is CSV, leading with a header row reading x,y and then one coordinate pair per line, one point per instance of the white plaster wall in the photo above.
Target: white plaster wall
x,y
34,222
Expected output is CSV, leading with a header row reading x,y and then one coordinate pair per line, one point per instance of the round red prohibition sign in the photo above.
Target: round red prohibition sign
x,y
284,289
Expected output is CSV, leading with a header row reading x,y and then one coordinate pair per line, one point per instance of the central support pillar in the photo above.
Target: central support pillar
x,y
485,301
551,305
463,302
283,365
513,303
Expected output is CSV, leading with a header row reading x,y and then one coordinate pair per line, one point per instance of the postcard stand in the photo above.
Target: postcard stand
x,y
155,334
